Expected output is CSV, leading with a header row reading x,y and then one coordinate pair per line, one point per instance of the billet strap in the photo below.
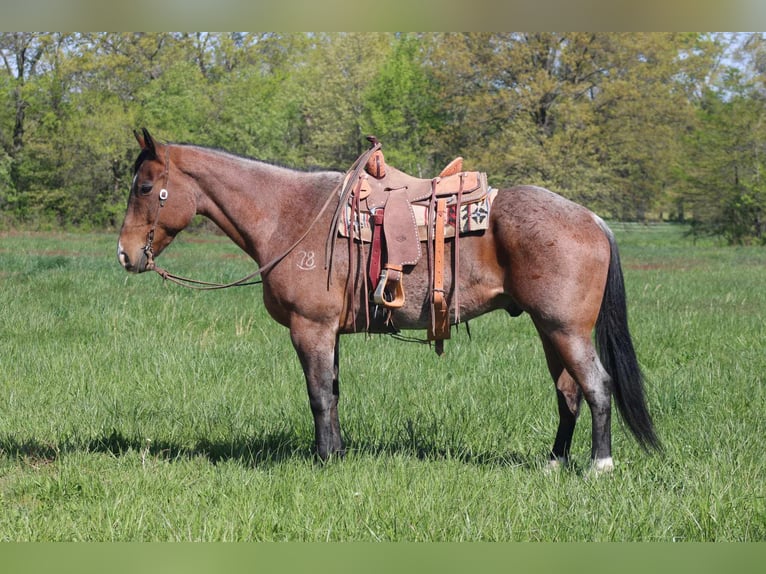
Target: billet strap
x,y
456,266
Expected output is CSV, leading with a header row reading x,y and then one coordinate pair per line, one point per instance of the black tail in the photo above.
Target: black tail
x,y
615,347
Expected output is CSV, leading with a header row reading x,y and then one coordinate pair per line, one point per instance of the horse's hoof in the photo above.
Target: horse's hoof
x,y
555,465
327,457
602,465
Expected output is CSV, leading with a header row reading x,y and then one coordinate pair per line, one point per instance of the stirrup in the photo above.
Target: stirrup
x,y
379,296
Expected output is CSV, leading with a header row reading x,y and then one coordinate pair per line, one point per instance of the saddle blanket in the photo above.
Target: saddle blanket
x,y
473,217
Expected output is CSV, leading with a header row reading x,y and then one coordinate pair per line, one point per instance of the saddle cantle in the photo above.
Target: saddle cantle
x,y
398,214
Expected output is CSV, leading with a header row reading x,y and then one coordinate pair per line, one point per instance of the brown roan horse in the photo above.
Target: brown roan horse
x,y
542,254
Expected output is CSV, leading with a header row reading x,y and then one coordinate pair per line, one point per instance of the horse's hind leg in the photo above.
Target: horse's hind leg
x,y
569,398
576,368
317,347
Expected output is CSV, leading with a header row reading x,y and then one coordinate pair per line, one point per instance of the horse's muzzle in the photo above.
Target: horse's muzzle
x,y
134,265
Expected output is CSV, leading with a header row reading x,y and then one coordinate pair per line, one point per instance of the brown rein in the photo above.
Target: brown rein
x,y
208,286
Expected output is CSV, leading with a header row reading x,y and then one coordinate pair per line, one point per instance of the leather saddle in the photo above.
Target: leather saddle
x,y
387,200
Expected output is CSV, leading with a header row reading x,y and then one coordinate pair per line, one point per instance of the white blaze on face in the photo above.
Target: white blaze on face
x,y
121,255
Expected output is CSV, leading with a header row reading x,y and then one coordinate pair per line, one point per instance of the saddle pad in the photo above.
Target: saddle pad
x,y
473,217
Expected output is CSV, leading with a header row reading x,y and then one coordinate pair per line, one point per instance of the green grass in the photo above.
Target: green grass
x,y
136,410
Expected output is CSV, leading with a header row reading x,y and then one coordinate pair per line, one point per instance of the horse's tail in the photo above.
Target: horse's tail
x,y
615,348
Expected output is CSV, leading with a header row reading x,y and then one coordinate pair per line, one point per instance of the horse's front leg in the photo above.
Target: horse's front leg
x,y
317,347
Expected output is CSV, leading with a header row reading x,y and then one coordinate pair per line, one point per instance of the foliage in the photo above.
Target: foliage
x,y
593,116
727,191
634,125
402,109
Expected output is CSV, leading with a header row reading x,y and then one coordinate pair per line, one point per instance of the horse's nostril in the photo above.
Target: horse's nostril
x,y
124,259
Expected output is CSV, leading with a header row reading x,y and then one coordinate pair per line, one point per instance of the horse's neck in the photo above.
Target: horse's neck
x,y
259,205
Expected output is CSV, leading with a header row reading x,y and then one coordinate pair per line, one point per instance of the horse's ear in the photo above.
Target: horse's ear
x,y
145,140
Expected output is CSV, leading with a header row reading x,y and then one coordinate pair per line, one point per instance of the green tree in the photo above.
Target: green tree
x,y
22,55
334,78
726,191
401,107
628,124
594,116
176,103
258,103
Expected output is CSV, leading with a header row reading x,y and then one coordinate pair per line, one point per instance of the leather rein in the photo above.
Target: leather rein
x,y
247,280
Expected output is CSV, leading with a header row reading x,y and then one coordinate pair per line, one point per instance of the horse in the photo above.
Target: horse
x,y
541,254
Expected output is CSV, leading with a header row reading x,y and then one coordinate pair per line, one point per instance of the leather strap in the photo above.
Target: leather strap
x,y
376,248
456,266
439,311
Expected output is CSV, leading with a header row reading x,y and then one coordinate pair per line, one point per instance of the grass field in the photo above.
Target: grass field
x,y
136,410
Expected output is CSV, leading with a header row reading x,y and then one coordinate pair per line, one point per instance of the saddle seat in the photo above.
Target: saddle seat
x,y
397,213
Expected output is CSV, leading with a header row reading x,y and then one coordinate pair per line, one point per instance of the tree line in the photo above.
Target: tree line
x,y
634,126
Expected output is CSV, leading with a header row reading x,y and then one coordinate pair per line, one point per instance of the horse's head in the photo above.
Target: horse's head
x,y
159,206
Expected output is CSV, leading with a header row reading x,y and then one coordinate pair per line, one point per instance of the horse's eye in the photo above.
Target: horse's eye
x,y
146,188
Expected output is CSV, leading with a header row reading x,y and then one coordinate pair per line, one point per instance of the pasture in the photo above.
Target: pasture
x,y
132,410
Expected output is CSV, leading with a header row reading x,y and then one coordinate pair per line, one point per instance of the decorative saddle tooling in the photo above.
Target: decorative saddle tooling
x,y
398,214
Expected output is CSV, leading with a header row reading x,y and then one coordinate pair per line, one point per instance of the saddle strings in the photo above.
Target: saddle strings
x,y
350,183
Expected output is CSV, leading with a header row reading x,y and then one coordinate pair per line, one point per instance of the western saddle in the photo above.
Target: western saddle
x,y
397,214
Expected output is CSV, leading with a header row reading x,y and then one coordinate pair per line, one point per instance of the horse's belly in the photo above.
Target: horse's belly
x,y
480,290
473,300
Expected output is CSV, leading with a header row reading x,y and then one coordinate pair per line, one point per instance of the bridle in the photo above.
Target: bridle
x,y
163,196
167,275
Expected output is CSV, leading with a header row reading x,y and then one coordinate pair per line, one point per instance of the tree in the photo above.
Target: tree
x,y
258,105
726,190
631,125
402,109
21,54
334,78
594,116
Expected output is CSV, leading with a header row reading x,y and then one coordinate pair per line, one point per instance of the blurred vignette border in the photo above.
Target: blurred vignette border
x,y
343,15
393,15
375,558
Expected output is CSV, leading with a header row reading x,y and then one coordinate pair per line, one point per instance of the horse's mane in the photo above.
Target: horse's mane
x,y
149,153
225,152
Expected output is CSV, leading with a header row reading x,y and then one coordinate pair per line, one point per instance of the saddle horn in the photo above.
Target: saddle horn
x,y
376,165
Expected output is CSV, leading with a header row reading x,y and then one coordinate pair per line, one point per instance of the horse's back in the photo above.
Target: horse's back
x,y
536,212
556,252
